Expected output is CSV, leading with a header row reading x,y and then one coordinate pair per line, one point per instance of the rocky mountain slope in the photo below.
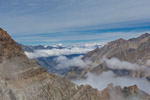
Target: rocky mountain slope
x,y
133,51
22,79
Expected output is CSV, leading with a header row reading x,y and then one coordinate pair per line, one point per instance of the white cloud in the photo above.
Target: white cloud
x,y
101,81
115,63
76,49
64,62
56,52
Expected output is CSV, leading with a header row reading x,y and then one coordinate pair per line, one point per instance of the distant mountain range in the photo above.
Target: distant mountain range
x,y
39,47
29,48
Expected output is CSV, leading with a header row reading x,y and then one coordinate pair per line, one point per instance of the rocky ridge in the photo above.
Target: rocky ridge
x,y
135,51
127,50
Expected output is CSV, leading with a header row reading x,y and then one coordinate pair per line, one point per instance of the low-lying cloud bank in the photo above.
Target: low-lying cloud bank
x,y
115,63
64,62
56,52
75,49
101,81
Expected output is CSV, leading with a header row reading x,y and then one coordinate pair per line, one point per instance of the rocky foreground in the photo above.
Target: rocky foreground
x,y
22,79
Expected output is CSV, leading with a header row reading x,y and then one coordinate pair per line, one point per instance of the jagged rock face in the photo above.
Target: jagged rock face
x,y
131,50
13,61
9,48
108,50
110,93
127,93
86,93
40,87
139,55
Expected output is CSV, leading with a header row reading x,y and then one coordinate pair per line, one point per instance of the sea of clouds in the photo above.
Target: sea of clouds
x,y
102,80
68,50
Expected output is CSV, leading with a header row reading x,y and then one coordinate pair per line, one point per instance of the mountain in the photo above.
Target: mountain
x,y
130,50
26,48
111,93
126,93
134,52
22,79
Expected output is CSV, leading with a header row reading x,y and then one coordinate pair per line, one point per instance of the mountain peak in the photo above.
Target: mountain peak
x,y
1,29
9,48
141,37
145,34
121,40
12,58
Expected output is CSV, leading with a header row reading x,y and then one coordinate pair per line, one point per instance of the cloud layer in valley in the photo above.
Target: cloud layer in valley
x,y
64,62
55,52
101,81
76,49
115,63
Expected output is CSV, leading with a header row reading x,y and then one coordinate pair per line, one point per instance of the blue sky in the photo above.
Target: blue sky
x,y
73,21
